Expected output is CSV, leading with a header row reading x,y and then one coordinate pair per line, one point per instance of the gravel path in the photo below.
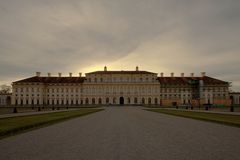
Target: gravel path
x,y
125,133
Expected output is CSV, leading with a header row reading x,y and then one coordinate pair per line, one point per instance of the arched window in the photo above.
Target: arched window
x,y
86,101
114,100
143,101
149,101
107,100
129,100
135,100
93,100
156,101
99,101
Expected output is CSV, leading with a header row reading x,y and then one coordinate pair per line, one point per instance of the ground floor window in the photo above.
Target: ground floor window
x,y
129,100
156,101
143,101
114,100
107,100
93,100
149,101
135,100
99,101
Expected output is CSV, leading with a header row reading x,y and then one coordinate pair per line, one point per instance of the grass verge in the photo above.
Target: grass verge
x,y
233,120
14,125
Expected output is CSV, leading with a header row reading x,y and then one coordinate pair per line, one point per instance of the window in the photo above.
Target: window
x,y
114,100
99,101
156,101
93,100
135,100
149,101
107,100
143,101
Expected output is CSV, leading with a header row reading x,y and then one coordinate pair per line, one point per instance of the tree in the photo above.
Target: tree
x,y
5,88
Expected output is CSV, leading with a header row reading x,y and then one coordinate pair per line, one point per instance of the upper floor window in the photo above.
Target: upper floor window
x,y
95,79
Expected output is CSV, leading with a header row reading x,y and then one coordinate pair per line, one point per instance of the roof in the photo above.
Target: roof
x,y
234,93
188,80
121,72
210,80
37,79
163,80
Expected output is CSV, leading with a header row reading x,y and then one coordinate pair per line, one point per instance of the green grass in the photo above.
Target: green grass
x,y
233,120
15,125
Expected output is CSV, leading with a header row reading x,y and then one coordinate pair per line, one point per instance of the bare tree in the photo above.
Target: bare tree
x,y
5,88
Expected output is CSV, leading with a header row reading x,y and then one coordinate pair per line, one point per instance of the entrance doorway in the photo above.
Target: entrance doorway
x,y
121,100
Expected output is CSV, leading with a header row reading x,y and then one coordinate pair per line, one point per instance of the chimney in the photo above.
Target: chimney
x,y
203,74
172,74
136,68
161,74
38,74
105,68
192,74
70,74
80,74
59,74
49,74
182,74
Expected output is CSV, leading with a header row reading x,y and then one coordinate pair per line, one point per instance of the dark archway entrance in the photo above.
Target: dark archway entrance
x,y
121,100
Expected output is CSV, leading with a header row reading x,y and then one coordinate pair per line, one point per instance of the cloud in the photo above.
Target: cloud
x,y
158,35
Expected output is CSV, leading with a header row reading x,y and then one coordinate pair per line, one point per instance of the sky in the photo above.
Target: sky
x,y
86,35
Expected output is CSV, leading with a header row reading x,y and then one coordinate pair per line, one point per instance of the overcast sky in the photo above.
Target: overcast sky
x,y
85,35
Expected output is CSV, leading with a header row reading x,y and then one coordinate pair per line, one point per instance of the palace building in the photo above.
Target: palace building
x,y
120,88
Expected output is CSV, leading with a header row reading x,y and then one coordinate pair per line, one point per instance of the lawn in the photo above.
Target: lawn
x,y
227,119
14,125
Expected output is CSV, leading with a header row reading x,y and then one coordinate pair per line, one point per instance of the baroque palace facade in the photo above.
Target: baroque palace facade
x,y
120,87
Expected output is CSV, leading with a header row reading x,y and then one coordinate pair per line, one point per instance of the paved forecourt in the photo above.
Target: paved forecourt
x,y
125,133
